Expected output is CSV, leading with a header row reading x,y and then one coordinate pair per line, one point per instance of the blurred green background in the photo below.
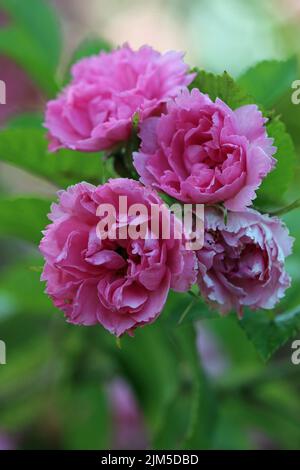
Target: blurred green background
x,y
205,383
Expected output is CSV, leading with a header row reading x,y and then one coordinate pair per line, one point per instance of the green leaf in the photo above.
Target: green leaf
x,y
21,291
33,39
221,86
39,19
290,115
162,364
28,120
86,419
269,80
28,56
188,420
278,181
23,217
292,220
26,148
148,362
267,333
22,381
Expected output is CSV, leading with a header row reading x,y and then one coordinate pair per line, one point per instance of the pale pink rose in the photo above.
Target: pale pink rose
x,y
128,425
242,262
7,442
204,152
213,358
119,283
95,111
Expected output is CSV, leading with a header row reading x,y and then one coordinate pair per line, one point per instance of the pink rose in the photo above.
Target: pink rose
x,y
128,425
242,262
7,442
120,283
204,152
94,112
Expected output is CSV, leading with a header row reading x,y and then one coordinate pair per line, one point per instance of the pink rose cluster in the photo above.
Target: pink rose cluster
x,y
193,149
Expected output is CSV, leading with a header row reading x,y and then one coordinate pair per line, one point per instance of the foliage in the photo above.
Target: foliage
x,y
37,33
26,148
54,386
269,80
221,86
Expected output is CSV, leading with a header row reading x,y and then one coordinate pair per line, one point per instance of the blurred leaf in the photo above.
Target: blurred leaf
x,y
23,292
163,366
23,217
33,39
221,86
86,418
267,333
39,19
278,181
269,80
239,355
290,115
27,149
149,364
259,426
292,220
28,120
190,417
230,434
25,380
28,56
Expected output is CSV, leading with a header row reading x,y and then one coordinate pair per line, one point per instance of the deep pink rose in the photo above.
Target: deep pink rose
x,y
121,283
204,152
94,112
242,262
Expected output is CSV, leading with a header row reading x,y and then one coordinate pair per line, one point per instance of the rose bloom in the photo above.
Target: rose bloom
x,y
95,111
204,152
242,262
119,283
128,425
7,442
